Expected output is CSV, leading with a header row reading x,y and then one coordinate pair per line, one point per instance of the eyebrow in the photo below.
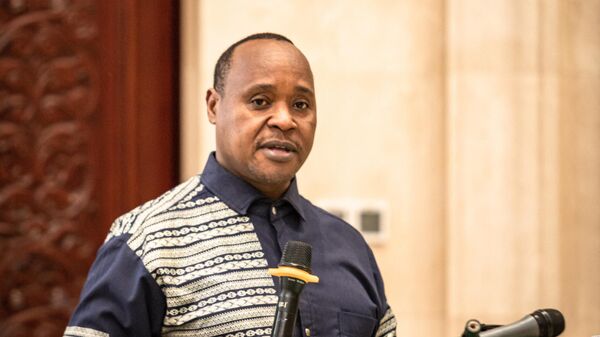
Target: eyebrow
x,y
270,87
304,89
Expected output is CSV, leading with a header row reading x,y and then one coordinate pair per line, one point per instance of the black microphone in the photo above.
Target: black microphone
x,y
294,273
540,323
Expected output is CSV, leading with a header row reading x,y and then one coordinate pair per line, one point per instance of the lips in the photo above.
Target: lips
x,y
279,145
278,150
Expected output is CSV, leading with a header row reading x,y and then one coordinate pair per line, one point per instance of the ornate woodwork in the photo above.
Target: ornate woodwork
x,y
68,103
49,93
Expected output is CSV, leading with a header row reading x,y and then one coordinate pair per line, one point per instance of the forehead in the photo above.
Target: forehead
x,y
268,61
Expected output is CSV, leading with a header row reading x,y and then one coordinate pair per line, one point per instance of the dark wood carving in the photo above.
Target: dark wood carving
x,y
49,91
85,88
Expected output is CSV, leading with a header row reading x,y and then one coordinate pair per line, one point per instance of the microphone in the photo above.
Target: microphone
x,y
294,273
540,323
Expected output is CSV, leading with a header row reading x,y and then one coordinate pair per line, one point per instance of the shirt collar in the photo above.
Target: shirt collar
x,y
237,193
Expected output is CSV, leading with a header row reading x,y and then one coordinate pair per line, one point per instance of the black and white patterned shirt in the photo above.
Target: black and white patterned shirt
x,y
193,262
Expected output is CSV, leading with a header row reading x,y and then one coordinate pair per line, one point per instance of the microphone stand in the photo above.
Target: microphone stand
x,y
474,327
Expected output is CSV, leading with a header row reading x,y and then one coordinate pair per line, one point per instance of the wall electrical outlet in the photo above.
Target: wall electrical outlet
x,y
368,216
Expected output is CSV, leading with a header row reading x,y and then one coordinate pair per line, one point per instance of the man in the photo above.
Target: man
x,y
194,261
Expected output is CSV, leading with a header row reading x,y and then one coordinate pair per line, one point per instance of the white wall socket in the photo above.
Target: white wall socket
x,y
369,216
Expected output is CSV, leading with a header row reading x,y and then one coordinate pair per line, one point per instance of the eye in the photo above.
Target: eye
x,y
259,102
300,105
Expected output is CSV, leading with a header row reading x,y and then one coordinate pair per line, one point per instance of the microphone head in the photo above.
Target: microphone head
x,y
297,254
551,322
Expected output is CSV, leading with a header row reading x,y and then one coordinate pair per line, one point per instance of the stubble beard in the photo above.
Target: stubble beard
x,y
275,178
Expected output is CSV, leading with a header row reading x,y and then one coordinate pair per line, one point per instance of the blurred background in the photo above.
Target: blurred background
x,y
470,127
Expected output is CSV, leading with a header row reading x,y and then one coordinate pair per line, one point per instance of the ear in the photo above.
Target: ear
x,y
212,100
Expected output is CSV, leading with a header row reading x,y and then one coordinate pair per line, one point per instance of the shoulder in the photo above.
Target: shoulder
x,y
334,227
173,202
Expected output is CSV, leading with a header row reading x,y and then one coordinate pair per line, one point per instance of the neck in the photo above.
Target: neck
x,y
271,191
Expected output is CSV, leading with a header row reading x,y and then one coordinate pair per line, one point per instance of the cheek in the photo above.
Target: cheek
x,y
241,134
308,131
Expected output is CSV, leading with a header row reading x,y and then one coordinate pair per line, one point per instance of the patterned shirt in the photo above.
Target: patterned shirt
x,y
193,262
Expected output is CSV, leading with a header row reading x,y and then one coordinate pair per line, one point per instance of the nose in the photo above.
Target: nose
x,y
282,118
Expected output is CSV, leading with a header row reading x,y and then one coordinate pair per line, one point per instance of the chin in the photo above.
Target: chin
x,y
278,177
273,175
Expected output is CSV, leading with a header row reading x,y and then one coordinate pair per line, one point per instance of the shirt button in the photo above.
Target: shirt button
x,y
307,332
274,210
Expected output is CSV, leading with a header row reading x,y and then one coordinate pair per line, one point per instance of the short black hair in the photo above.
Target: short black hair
x,y
224,63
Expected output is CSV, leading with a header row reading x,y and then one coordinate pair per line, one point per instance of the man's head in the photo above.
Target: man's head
x,y
264,109
224,63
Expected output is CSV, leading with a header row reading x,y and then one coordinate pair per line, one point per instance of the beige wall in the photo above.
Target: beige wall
x,y
477,121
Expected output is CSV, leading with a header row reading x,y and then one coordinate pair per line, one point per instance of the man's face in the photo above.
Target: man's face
x,y
266,117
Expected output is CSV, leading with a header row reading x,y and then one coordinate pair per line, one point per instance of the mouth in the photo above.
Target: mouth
x,y
279,145
279,151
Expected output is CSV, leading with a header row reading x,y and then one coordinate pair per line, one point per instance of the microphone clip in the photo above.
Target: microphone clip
x,y
474,327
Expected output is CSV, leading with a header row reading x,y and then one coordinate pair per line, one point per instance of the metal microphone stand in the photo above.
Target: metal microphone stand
x,y
474,327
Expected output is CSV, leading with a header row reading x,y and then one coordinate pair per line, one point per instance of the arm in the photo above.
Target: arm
x,y
387,320
119,298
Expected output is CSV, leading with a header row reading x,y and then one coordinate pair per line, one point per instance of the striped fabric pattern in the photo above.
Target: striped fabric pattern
x,y
77,331
387,325
207,260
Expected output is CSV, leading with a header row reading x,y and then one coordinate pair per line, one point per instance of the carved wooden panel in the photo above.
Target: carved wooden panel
x,y
49,93
85,88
